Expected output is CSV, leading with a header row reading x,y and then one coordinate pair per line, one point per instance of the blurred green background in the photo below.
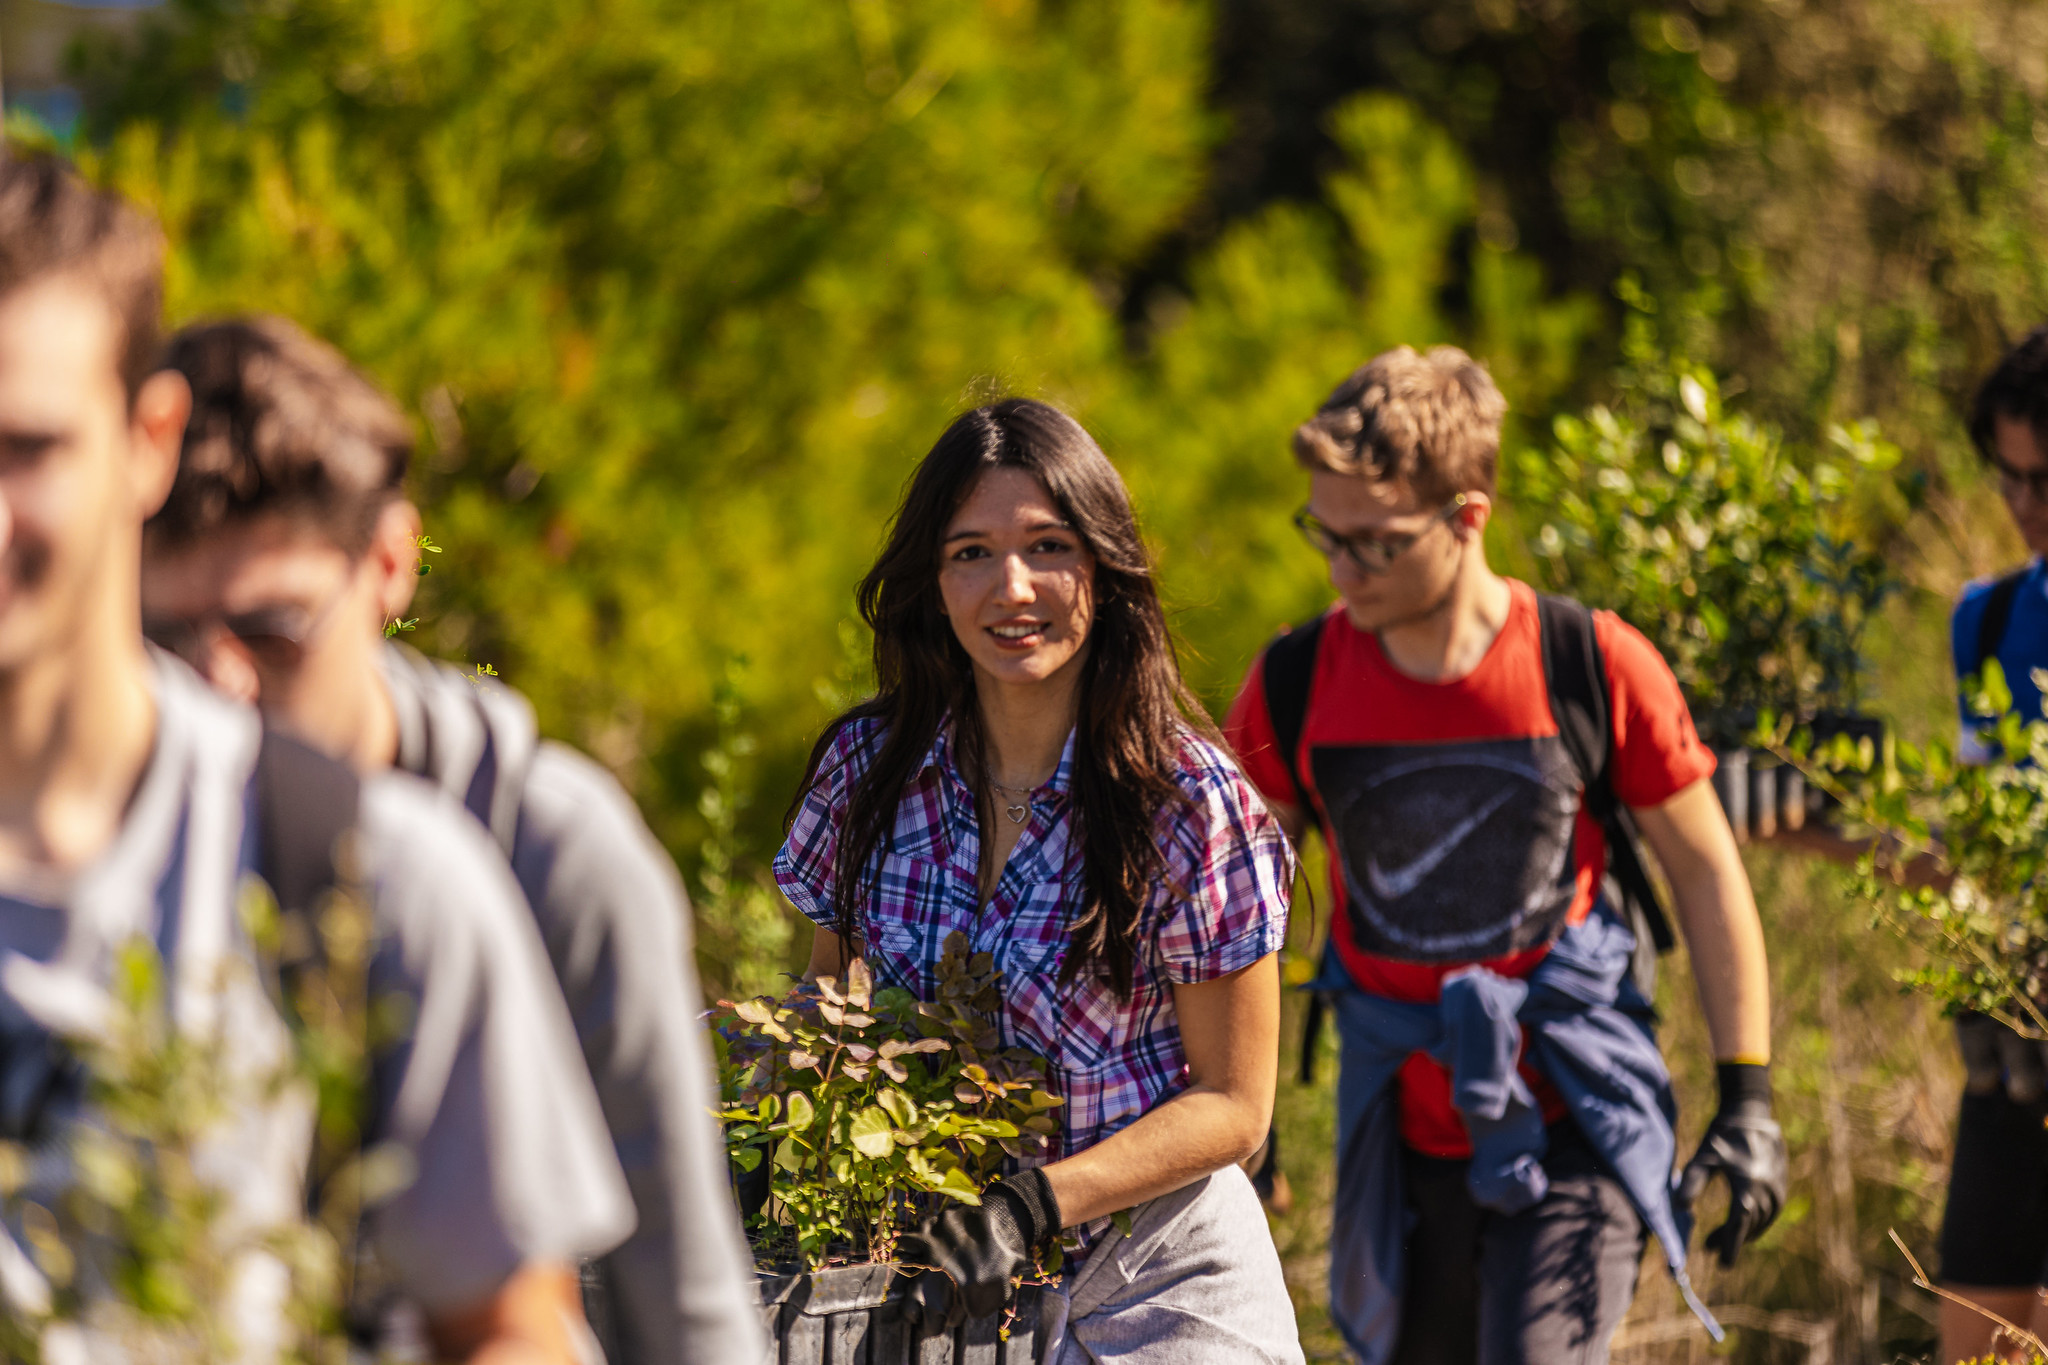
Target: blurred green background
x,y
679,292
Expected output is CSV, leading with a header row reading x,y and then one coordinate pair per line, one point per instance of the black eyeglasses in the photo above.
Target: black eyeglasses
x,y
1371,553
2035,480
276,636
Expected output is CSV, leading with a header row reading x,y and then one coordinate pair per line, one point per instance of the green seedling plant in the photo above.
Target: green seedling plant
x,y
138,1252
1722,542
1958,850
872,1108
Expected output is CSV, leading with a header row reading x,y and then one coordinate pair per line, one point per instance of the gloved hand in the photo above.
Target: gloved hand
x,y
1744,1144
978,1252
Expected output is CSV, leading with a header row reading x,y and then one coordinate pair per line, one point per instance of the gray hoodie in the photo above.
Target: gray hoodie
x,y
615,920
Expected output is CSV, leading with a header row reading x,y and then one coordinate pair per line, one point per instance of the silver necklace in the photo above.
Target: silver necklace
x,y
1021,811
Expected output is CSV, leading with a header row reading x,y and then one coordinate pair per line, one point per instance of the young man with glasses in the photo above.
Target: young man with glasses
x,y
1471,755
284,547
135,804
1994,1235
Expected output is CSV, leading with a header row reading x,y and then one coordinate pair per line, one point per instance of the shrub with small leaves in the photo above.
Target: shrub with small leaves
x,y
873,1107
1731,549
1960,850
141,1250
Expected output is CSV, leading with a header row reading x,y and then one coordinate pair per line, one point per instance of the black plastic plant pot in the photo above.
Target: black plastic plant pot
x,y
1731,784
863,1315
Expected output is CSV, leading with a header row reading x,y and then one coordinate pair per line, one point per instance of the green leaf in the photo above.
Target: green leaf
x,y
801,1110
870,1133
746,1158
900,1106
957,1184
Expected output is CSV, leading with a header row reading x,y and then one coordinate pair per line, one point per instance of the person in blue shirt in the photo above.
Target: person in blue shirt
x,y
1994,1236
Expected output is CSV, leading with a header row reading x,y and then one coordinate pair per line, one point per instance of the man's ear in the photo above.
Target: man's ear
x,y
1478,510
394,557
156,434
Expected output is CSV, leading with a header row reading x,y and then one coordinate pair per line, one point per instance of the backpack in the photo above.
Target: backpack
x,y
1576,677
305,803
306,806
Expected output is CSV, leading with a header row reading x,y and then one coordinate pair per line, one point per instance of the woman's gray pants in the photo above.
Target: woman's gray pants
x,y
1197,1280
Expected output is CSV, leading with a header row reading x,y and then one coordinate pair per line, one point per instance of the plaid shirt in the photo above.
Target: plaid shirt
x,y
1222,905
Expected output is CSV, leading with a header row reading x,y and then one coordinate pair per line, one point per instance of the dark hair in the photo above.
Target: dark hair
x,y
1429,422
53,223
1134,710
2017,389
281,423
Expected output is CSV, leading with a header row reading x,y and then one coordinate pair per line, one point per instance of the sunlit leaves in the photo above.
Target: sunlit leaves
x,y
1959,860
874,1103
1717,539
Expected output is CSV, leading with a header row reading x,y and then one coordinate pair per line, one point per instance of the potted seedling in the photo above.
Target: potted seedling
x,y
850,1113
1852,582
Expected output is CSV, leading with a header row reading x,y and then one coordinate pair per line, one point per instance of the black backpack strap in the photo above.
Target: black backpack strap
x,y
1289,669
1997,616
305,803
1576,676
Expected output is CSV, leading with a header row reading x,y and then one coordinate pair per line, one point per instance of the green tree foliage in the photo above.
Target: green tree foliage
x,y
1843,194
680,293
1283,307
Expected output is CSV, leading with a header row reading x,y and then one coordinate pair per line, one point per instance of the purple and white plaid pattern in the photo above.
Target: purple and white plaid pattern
x,y
1222,905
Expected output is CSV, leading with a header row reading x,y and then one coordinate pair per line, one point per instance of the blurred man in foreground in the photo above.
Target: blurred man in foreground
x,y
134,801
284,547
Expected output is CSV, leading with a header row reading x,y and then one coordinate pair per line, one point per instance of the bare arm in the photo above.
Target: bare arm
x,y
1717,913
1230,1030
535,1318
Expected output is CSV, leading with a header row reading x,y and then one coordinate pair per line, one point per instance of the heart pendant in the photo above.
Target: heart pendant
x,y
1017,814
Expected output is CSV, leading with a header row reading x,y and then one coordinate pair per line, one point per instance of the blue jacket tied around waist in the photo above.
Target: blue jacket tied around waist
x,y
1589,1034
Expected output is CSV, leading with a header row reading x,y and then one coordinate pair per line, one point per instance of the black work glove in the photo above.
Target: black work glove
x,y
1744,1144
978,1252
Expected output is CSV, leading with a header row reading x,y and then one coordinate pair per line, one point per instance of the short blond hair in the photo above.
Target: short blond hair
x,y
1429,422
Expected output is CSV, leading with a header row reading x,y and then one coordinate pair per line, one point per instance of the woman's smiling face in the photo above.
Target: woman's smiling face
x,y
1016,580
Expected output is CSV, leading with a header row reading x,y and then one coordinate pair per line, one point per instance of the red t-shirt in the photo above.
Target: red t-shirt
x,y
1453,812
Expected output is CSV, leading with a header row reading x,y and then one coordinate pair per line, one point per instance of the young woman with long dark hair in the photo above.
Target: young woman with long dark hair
x,y
1032,773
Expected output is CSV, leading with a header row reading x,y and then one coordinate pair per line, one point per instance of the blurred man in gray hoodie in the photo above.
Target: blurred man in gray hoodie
x,y
136,807
285,545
